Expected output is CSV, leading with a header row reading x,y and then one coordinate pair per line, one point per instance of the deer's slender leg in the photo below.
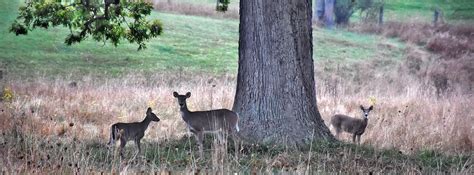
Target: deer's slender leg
x,y
137,142
199,139
338,131
354,138
123,142
220,137
236,140
358,139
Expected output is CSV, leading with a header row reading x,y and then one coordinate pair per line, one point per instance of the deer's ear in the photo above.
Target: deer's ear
x,y
361,107
188,94
175,94
148,111
371,108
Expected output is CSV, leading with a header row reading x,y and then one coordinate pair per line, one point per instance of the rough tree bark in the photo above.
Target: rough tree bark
x,y
275,96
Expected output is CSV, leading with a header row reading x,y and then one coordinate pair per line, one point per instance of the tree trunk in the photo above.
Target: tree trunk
x,y
381,15
329,13
275,96
319,10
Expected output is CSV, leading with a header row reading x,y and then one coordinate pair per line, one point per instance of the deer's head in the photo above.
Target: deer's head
x,y
182,98
151,115
366,110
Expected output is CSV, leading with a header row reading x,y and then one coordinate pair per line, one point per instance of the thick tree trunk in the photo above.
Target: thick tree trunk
x,y
275,96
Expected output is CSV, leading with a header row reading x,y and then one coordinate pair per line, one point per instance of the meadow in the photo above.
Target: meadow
x,y
48,125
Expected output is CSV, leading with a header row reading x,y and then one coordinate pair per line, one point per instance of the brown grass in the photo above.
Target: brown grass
x,y
449,40
196,9
447,58
408,116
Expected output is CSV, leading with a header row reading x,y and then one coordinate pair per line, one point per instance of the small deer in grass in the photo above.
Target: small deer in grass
x,y
222,121
351,125
131,131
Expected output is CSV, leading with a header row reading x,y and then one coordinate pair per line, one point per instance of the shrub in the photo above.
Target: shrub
x,y
343,10
7,95
369,9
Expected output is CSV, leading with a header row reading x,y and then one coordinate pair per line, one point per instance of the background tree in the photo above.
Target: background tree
x,y
318,10
329,13
103,20
275,95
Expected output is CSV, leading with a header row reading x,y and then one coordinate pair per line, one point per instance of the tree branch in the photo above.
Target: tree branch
x,y
87,24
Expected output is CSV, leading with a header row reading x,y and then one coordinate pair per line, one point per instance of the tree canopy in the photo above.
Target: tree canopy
x,y
102,20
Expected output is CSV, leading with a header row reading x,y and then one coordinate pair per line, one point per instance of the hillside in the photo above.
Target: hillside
x,y
192,44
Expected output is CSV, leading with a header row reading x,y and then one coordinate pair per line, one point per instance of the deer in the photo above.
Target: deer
x,y
351,125
131,131
220,121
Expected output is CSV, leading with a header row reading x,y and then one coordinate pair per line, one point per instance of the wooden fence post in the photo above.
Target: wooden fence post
x,y
435,17
381,15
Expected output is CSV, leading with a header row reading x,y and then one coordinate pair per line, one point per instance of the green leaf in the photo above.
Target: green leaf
x,y
124,21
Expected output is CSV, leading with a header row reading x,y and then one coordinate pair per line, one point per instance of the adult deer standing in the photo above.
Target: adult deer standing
x,y
351,125
222,121
131,131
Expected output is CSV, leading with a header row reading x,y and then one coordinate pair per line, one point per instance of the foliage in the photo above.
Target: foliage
x,y
369,9
222,5
343,10
103,21
7,95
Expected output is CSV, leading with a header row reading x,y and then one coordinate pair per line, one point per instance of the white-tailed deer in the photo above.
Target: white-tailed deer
x,y
131,131
223,121
351,125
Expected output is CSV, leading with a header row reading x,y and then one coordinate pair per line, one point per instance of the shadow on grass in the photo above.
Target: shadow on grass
x,y
181,155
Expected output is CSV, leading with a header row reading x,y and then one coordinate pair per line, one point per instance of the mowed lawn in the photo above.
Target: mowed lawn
x,y
189,43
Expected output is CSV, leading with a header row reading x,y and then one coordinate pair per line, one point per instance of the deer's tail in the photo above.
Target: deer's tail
x,y
112,135
237,124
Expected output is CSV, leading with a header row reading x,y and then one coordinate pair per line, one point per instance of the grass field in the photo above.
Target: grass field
x,y
189,43
48,126
185,44
457,11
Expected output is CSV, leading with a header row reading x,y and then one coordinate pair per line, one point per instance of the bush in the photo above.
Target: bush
x,y
369,9
343,10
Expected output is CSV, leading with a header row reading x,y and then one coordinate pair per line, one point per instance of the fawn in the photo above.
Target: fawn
x,y
200,122
131,131
351,125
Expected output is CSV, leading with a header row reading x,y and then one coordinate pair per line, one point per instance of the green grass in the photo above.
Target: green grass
x,y
453,10
189,43
344,46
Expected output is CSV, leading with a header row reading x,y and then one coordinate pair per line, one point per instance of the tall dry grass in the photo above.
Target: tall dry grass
x,y
204,9
47,114
407,116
